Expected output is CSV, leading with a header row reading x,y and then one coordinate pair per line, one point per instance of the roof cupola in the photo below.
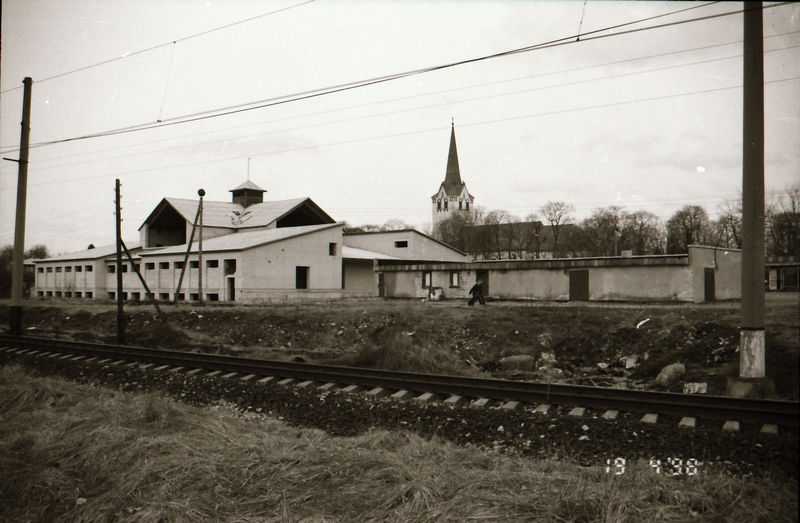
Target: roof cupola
x,y
248,194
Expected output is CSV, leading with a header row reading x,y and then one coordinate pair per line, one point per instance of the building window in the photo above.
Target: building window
x,y
454,278
212,264
68,294
427,279
40,293
193,296
149,266
467,202
124,296
68,268
179,265
39,269
181,296
137,267
332,249
460,203
212,296
401,244
230,266
194,264
300,277
124,267
135,296
78,268
58,269
112,269
58,294
438,205
163,265
112,295
49,269
88,294
49,293
89,268
78,294
163,296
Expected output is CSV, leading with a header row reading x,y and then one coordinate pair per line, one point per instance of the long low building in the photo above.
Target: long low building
x,y
253,251
704,274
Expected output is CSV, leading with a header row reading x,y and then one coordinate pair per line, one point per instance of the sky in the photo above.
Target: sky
x,y
649,120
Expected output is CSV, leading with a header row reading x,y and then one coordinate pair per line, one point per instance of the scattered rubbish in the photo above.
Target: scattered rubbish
x,y
547,358
518,362
642,323
695,388
500,429
631,362
584,438
80,501
602,365
584,428
670,374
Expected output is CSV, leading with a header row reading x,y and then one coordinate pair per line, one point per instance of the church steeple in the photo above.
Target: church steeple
x,y
452,196
452,177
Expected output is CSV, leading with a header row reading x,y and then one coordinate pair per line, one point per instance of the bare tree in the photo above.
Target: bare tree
x,y
556,213
689,225
783,223
729,224
641,232
601,231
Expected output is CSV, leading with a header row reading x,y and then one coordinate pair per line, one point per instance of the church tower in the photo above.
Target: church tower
x,y
452,196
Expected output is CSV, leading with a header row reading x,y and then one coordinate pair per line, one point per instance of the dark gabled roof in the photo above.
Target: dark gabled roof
x,y
234,216
248,185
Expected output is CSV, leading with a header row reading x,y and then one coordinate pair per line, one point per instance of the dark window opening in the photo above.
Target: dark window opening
x,y
40,269
193,296
68,268
112,269
135,296
78,268
194,264
124,267
58,269
49,269
163,296
112,295
181,296
89,268
78,294
163,265
89,294
230,266
49,293
212,296
179,265
40,293
212,264
68,294
400,244
149,266
301,277
332,249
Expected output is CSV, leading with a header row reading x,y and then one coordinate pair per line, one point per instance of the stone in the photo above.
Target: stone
x,y
695,388
670,374
518,362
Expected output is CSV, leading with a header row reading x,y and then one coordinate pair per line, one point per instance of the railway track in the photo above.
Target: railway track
x,y
449,388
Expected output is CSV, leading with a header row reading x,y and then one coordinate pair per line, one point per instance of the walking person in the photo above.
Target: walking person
x,y
477,294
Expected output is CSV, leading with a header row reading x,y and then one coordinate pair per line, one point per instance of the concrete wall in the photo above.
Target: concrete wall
x,y
359,278
651,278
419,246
70,279
727,265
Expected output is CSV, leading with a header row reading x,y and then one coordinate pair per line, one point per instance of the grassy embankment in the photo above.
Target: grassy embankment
x,y
76,452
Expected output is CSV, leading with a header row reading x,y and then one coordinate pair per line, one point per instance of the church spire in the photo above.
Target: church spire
x,y
452,178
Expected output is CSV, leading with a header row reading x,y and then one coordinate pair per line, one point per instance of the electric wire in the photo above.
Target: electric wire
x,y
304,95
159,46
410,133
410,109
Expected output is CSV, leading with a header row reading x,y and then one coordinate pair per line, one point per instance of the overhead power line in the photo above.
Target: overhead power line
x,y
260,104
159,46
419,108
411,133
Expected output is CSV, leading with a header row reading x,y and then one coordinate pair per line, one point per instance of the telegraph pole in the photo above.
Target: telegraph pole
x,y
752,342
120,313
202,193
15,314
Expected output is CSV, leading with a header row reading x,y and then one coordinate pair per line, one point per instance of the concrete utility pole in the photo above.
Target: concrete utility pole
x,y
752,343
202,193
15,314
120,313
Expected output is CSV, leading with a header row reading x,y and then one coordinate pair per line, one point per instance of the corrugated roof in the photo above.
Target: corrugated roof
x,y
244,240
354,253
92,254
232,215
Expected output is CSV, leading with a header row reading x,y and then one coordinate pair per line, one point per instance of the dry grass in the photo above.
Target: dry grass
x,y
72,452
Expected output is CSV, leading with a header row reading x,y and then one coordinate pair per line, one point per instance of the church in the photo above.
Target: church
x,y
452,196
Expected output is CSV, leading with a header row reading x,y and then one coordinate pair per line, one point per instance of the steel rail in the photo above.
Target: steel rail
x,y
700,405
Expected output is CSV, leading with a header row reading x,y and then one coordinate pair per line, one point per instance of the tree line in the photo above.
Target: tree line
x,y
553,231
7,266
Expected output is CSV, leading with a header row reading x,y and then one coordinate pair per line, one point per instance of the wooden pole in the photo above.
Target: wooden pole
x,y
15,313
120,312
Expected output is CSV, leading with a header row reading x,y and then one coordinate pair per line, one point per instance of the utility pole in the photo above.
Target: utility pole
x,y
15,314
752,343
120,313
202,193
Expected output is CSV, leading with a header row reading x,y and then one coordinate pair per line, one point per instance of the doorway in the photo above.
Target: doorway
x,y
579,285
